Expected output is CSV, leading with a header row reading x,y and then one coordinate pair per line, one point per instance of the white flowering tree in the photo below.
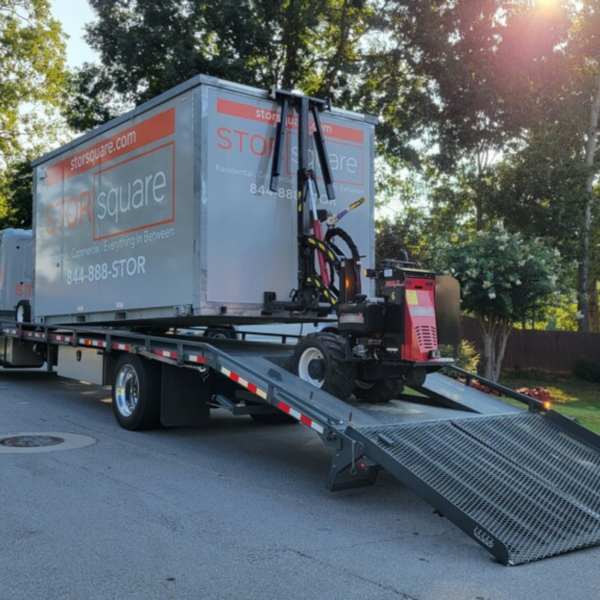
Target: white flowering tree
x,y
504,278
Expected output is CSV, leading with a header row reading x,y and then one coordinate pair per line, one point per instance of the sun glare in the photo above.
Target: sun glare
x,y
547,4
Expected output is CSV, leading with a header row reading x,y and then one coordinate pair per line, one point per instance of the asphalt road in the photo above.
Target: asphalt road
x,y
234,510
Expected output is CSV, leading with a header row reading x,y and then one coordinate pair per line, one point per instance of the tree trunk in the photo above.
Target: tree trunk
x,y
584,271
494,334
593,307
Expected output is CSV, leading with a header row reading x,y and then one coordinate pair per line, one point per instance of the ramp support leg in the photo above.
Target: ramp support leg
x,y
350,468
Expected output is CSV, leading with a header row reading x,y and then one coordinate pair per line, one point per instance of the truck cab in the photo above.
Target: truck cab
x,y
16,274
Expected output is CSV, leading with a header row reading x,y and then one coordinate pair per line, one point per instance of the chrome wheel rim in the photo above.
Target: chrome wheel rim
x,y
127,391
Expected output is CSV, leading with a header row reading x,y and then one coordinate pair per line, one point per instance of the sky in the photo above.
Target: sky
x,y
72,20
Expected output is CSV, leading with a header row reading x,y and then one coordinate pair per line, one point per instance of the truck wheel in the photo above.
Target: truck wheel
x,y
23,312
136,393
221,333
379,391
321,360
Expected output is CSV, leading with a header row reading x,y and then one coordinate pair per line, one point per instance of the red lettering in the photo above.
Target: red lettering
x,y
258,144
241,136
69,212
50,218
23,290
84,207
72,210
261,150
221,133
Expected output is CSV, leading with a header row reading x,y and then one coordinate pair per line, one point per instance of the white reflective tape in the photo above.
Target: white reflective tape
x,y
121,346
197,359
243,382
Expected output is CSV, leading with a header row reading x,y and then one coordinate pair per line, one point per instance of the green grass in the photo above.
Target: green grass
x,y
571,396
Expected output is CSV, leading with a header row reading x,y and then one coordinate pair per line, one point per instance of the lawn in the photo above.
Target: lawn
x,y
571,396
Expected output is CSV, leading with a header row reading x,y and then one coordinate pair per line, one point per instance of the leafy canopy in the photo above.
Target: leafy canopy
x,y
149,47
32,83
32,71
503,276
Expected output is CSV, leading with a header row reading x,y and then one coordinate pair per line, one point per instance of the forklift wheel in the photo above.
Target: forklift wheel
x,y
380,391
321,360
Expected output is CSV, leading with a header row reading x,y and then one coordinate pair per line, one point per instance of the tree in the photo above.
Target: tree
x,y
405,232
560,75
504,278
32,81
16,191
149,47
32,72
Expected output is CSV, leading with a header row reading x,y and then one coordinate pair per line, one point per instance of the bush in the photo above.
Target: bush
x,y
468,357
587,370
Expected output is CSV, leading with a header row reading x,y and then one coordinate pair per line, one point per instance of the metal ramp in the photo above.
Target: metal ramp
x,y
523,484
519,484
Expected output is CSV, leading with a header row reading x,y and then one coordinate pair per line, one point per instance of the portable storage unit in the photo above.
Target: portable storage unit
x,y
165,213
16,267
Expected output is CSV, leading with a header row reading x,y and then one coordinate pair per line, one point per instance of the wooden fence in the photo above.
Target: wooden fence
x,y
555,351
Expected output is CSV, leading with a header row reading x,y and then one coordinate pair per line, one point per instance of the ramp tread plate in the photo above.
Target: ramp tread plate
x,y
526,482
402,411
456,391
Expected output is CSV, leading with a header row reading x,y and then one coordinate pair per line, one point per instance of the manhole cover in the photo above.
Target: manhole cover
x,y
31,441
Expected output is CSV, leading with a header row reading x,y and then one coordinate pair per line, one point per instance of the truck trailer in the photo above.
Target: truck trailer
x,y
217,206
16,273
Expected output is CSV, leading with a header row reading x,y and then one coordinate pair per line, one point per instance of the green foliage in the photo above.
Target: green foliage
x,y
502,275
16,196
149,47
504,278
467,357
402,233
32,72
587,370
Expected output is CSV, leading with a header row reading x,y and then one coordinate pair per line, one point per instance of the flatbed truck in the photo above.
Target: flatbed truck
x,y
199,209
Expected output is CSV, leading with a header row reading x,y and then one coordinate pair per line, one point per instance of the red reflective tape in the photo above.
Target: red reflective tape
x,y
305,420
252,388
33,334
61,338
284,407
235,377
121,346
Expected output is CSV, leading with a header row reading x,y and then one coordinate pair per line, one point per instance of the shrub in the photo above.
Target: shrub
x,y
468,357
587,370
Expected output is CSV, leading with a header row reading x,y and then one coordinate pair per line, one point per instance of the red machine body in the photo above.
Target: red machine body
x,y
420,328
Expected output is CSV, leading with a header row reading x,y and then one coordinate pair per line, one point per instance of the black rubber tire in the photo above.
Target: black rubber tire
x,y
136,393
416,377
380,391
220,333
23,312
339,373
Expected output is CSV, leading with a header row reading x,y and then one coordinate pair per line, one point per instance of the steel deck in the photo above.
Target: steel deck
x,y
518,484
